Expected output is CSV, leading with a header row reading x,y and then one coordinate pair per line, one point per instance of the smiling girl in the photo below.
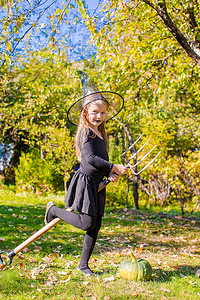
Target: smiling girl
x,y
82,195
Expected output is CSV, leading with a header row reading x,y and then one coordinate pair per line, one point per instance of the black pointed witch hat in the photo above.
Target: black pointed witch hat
x,y
91,93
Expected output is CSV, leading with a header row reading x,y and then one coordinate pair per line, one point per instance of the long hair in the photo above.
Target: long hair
x,y
83,130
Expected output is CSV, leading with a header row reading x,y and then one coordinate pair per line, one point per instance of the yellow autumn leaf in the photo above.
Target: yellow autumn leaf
x,y
117,255
8,46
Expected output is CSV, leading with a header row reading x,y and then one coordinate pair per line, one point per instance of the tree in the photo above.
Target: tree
x,y
144,52
173,14
139,58
35,25
35,97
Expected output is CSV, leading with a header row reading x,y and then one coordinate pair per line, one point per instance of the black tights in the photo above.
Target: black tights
x,y
85,222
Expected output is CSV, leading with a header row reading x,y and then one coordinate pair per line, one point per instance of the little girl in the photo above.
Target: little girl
x,y
82,195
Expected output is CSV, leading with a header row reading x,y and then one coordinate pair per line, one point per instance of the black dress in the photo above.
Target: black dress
x,y
82,194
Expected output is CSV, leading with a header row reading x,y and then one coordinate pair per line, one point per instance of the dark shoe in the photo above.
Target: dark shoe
x,y
49,205
86,271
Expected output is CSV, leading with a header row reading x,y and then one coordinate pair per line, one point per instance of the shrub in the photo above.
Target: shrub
x,y
36,174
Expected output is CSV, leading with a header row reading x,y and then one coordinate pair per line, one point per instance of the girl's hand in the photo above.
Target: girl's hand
x,y
113,177
119,169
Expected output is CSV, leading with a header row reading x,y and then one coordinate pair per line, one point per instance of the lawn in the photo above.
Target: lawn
x,y
47,268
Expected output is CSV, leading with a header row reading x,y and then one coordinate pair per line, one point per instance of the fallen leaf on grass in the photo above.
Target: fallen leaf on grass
x,y
48,284
2,266
107,279
52,278
25,250
159,262
106,298
62,273
43,266
170,224
35,272
117,255
192,282
139,249
165,290
47,259
185,254
197,274
27,275
37,248
21,265
66,279
31,260
38,242
135,295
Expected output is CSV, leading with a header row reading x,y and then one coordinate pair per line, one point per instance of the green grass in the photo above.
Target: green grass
x,y
47,268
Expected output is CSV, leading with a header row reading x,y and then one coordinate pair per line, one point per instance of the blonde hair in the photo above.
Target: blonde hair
x,y
83,130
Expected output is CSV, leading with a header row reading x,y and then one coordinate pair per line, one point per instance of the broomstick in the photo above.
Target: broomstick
x,y
102,184
40,232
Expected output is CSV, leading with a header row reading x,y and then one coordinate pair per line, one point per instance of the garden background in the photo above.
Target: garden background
x,y
147,51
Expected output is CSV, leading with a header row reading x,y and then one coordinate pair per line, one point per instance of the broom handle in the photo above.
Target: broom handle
x,y
36,235
49,226
103,184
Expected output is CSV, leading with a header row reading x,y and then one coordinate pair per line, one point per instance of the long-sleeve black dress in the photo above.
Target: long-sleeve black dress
x,y
82,194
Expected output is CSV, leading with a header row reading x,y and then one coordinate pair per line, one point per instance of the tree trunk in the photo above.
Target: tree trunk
x,y
161,9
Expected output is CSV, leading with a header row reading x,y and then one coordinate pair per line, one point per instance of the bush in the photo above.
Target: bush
x,y
36,174
177,180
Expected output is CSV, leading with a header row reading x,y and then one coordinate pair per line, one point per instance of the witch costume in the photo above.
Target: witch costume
x,y
85,204
82,194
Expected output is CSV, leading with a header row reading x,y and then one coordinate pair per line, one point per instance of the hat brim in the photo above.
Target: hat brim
x,y
115,101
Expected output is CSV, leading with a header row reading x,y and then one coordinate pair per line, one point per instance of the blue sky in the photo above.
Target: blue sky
x,y
74,36
92,4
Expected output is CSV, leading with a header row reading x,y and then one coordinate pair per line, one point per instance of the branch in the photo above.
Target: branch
x,y
164,58
190,11
162,12
60,18
33,25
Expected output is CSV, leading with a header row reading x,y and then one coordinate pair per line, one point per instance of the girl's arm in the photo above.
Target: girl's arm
x,y
92,158
119,169
96,161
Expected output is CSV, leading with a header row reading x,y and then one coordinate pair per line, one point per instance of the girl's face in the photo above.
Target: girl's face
x,y
96,113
